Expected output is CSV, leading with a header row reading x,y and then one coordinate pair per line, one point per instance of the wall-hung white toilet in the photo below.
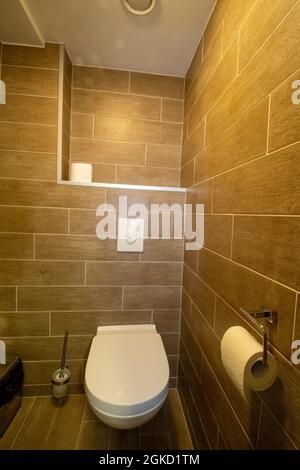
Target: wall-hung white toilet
x,y
127,375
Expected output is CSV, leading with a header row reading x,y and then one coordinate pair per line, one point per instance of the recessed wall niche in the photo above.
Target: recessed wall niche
x,y
127,125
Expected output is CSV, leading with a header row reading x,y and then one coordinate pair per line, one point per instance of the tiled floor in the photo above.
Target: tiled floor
x,y
43,423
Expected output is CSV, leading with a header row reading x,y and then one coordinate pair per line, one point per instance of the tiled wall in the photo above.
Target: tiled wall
x,y
54,273
241,159
128,125
66,116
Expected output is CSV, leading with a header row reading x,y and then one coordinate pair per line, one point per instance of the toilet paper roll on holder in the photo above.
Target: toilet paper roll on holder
x,y
271,317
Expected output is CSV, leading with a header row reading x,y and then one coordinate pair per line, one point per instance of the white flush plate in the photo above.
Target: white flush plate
x,y
131,235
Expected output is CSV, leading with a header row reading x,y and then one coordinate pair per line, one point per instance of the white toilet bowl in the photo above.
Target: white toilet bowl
x,y
127,375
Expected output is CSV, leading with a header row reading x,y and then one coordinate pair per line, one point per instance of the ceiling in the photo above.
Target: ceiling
x,y
102,33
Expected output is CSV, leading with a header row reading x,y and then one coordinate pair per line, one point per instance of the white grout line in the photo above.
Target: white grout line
x,y
23,422
295,318
80,428
232,237
269,125
259,425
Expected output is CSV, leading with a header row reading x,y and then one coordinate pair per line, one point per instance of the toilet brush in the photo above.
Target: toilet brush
x,y
61,377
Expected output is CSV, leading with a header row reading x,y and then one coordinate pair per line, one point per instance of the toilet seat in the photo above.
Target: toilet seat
x,y
127,372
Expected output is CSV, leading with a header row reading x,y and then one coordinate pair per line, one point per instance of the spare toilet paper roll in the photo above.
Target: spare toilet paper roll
x,y
81,172
242,358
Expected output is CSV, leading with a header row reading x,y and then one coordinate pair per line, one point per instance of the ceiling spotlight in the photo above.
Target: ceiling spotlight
x,y
134,11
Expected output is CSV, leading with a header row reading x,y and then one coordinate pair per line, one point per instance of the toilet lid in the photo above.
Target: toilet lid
x,y
126,374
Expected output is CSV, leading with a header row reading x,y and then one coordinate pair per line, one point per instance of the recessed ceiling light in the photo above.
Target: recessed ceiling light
x,y
129,7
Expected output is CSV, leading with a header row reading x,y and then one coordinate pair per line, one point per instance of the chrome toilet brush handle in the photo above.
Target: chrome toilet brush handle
x,y
61,377
64,353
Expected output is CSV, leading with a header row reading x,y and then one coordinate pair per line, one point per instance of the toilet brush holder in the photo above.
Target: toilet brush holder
x,y
61,377
60,382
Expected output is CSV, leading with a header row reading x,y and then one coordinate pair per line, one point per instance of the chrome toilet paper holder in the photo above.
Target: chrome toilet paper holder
x,y
271,317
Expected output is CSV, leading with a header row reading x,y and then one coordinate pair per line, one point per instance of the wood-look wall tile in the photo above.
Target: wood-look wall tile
x,y
104,173
41,273
40,372
16,246
29,109
218,234
235,15
198,435
28,137
297,323
242,142
162,250
284,116
116,105
146,197
46,390
31,165
177,423
199,403
82,125
48,348
187,174
186,304
69,298
7,299
47,57
100,79
79,247
201,295
241,287
147,176
261,22
194,66
24,324
156,85
265,244
167,321
194,144
103,151
159,297
30,81
214,22
133,274
171,343
33,220
191,347
168,156
49,194
137,131
263,177
209,64
200,194
270,66
234,434
83,222
86,323
172,110
283,398
191,259
222,77
271,435
247,409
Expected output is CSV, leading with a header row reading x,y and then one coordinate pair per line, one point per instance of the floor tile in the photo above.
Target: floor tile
x,y
93,436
